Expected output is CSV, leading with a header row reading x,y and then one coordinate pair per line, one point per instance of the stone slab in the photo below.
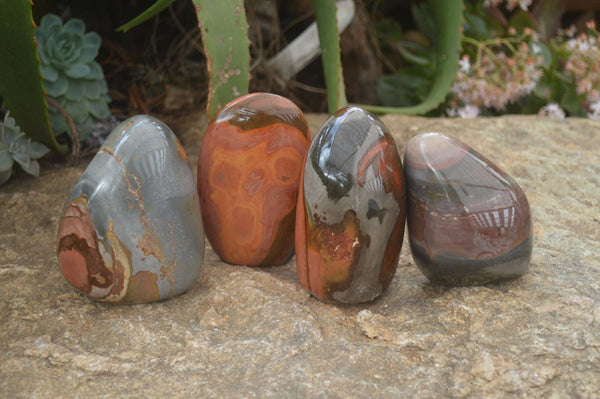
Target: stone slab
x,y
244,332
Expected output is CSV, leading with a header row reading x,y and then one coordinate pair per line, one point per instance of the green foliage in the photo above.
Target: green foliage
x,y
512,61
226,46
225,40
71,76
440,22
146,15
20,76
325,11
16,147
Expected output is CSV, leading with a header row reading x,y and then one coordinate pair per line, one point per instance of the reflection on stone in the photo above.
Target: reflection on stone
x,y
468,221
248,176
131,231
351,210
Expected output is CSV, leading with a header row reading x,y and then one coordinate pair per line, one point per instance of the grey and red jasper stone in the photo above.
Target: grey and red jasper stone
x,y
131,230
351,210
468,221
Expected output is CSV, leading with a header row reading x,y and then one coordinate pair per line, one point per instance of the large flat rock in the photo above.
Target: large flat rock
x,y
257,333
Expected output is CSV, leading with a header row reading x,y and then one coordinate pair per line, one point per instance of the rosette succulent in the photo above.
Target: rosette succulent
x,y
15,146
71,76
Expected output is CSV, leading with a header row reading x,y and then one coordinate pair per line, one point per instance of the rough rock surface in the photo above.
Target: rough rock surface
x,y
256,333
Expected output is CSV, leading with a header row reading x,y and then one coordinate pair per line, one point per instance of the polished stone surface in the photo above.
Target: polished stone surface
x,y
255,333
248,175
468,221
131,229
351,210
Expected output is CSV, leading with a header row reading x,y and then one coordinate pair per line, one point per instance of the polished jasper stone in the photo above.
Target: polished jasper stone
x,y
248,175
131,231
351,210
468,221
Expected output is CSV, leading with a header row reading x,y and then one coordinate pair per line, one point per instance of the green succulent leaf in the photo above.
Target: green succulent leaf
x,y
78,80
77,71
92,40
94,89
75,25
36,150
6,160
95,72
5,175
99,109
10,133
50,20
10,124
57,88
32,167
78,109
75,90
49,73
90,47
59,124
22,159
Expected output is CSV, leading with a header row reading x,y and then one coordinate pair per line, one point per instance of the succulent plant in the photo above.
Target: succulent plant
x,y
71,76
15,146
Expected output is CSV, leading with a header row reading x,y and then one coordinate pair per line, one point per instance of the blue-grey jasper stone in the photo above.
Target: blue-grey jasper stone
x,y
132,231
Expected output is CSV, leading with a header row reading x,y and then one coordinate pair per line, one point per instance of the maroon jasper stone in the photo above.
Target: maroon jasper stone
x,y
468,221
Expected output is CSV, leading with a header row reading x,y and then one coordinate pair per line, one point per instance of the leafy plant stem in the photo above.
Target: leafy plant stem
x,y
75,146
325,12
448,18
149,13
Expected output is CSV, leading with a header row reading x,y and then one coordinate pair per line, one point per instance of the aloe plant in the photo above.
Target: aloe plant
x,y
225,39
20,75
224,34
448,18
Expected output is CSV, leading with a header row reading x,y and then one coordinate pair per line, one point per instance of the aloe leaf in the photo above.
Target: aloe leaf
x,y
448,17
325,12
146,15
225,39
20,75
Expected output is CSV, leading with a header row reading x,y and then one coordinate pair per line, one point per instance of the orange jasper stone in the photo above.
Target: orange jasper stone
x,y
248,177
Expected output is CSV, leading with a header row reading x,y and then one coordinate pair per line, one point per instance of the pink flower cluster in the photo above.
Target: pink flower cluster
x,y
495,79
510,4
584,65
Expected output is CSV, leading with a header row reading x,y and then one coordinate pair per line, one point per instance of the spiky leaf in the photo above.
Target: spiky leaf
x,y
225,39
21,78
